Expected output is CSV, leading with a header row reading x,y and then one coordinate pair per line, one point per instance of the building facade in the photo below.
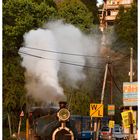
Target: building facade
x,y
110,10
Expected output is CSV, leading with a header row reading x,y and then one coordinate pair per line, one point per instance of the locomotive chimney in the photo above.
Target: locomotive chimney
x,y
63,104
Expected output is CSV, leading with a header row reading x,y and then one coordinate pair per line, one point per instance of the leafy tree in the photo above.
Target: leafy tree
x,y
78,100
76,13
92,6
126,37
126,27
19,16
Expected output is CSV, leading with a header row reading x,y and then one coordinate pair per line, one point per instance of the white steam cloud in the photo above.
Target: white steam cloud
x,y
51,50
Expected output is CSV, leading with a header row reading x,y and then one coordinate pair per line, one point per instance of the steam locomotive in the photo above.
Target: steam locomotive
x,y
53,123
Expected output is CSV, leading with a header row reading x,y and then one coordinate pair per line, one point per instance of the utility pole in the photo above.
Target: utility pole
x,y
131,64
111,85
111,94
104,82
27,129
131,80
102,98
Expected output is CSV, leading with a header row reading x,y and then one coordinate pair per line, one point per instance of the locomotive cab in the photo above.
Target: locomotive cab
x,y
51,123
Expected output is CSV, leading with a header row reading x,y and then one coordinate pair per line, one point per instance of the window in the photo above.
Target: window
x,y
108,13
105,129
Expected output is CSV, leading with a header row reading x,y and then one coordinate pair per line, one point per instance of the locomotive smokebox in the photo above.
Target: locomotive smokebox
x,y
63,104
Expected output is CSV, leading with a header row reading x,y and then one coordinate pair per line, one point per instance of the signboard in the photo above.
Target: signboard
x,y
111,124
130,93
21,114
126,118
96,110
111,109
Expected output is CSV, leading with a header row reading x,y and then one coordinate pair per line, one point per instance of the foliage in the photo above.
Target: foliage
x,y
126,37
78,100
76,13
19,16
126,27
92,6
77,107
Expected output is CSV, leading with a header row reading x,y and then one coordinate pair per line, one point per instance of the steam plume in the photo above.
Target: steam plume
x,y
42,66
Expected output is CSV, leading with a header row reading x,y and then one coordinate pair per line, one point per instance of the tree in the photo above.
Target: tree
x,y
92,6
19,16
76,13
126,27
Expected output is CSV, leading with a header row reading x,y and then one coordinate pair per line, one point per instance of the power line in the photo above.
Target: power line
x,y
63,62
120,59
65,53
115,81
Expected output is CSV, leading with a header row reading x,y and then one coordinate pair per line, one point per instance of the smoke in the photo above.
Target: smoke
x,y
107,45
57,48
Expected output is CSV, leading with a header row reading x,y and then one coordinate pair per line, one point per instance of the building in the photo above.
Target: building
x,y
110,10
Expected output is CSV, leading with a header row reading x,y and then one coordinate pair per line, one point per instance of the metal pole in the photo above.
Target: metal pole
x,y
19,127
111,84
131,80
131,64
95,127
91,127
27,129
111,95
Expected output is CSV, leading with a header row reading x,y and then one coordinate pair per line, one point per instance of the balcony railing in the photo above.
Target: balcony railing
x,y
116,6
110,18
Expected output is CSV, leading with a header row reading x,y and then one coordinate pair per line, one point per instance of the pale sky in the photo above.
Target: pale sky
x,y
99,2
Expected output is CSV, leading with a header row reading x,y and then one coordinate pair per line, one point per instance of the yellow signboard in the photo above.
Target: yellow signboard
x,y
96,110
111,109
126,118
111,124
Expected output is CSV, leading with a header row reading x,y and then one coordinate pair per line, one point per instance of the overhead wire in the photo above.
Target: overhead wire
x,y
75,54
63,62
65,53
115,81
120,59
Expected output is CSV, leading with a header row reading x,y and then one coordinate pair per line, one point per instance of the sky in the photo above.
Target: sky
x,y
99,2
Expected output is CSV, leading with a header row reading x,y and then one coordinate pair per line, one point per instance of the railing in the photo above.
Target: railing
x,y
116,6
109,18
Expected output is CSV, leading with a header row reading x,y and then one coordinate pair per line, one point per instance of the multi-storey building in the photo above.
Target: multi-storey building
x,y
110,10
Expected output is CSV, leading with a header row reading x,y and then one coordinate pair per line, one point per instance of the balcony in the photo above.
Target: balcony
x,y
116,6
110,18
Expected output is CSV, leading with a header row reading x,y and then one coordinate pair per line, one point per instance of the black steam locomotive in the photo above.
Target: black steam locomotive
x,y
52,123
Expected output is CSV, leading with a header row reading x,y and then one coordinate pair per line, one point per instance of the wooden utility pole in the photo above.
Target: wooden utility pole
x,y
111,84
104,82
102,99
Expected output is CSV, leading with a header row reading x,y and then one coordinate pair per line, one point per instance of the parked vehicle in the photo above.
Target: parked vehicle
x,y
85,135
117,133
105,133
